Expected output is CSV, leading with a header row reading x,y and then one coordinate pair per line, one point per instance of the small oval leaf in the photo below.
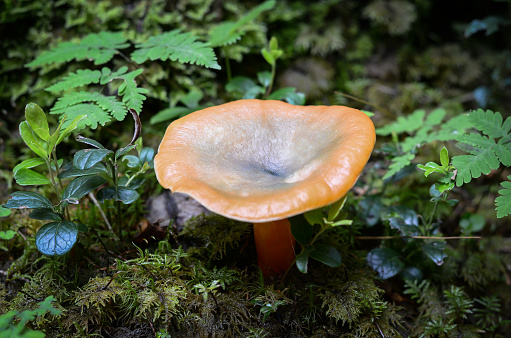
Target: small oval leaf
x,y
90,141
45,214
302,261
99,168
85,159
385,261
301,229
36,118
56,238
27,199
126,195
326,254
33,141
29,163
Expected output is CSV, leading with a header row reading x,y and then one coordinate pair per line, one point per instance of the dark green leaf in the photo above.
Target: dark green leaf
x,y
36,118
45,214
169,114
240,84
411,273
301,229
406,229
90,141
326,254
385,261
85,159
81,186
70,127
98,168
30,177
106,193
264,78
147,155
371,208
435,251
81,227
192,98
126,195
335,208
302,261
56,238
472,223
33,141
27,199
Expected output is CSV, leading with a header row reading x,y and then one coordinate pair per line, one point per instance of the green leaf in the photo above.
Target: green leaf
x,y
403,124
301,229
147,155
98,168
431,167
314,217
80,78
33,141
100,47
264,78
406,229
302,260
326,254
70,127
490,123
7,235
45,214
168,114
36,118
90,142
472,223
176,46
385,261
336,207
81,186
192,98
52,141
471,166
30,177
229,32
122,194
94,114
268,56
87,158
240,84
435,251
56,238
133,161
27,199
444,157
398,163
29,163
4,212
503,201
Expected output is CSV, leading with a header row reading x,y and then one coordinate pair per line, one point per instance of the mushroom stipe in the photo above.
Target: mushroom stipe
x,y
262,161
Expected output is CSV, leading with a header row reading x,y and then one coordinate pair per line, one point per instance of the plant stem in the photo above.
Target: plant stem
x,y
272,79
96,203
227,65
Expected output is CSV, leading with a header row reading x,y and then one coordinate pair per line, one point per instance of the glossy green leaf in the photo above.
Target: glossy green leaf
x,y
302,261
106,193
406,229
33,141
52,141
126,195
36,118
268,56
435,251
301,229
123,151
29,177
431,167
45,214
147,155
411,273
98,168
133,161
472,223
7,235
326,254
29,163
86,159
90,142
27,200
56,238
385,261
264,78
71,126
81,186
314,217
82,227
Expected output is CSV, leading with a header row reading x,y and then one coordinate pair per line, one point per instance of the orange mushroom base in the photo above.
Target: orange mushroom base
x,y
275,246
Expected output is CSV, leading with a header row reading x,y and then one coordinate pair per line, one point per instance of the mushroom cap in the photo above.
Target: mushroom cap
x,y
264,160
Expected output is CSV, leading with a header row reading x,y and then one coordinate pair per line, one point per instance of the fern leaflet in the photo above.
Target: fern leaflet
x,y
486,153
99,47
503,202
82,77
176,46
403,124
229,32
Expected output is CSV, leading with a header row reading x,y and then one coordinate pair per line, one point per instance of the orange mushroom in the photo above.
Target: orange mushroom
x,y
264,161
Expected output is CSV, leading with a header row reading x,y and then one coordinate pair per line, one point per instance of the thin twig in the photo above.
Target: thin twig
x,y
95,201
418,237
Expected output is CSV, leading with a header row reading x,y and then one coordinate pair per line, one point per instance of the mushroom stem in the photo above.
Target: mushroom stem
x,y
275,246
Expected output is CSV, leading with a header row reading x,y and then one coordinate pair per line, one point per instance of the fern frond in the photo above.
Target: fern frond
x,y
398,163
472,166
403,124
80,78
176,46
503,201
490,123
99,47
132,95
229,32
98,108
